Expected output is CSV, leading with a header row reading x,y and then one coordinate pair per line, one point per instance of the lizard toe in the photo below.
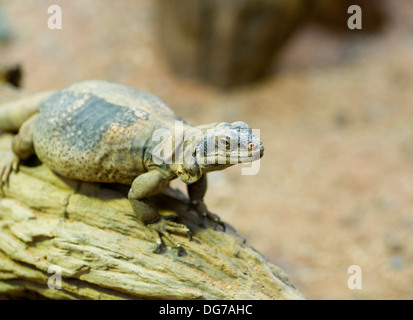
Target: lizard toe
x,y
9,163
160,245
218,222
200,208
164,229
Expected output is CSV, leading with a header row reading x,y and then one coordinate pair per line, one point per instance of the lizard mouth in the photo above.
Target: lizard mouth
x,y
252,154
227,157
240,157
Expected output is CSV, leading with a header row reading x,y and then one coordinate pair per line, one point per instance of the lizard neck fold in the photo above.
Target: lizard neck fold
x,y
185,165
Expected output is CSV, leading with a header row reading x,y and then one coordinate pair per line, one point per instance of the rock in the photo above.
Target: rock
x,y
226,42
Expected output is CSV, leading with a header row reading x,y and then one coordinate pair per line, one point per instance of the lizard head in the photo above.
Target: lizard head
x,y
215,146
224,144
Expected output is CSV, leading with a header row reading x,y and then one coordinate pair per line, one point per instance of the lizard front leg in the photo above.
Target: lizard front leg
x,y
196,192
147,185
22,147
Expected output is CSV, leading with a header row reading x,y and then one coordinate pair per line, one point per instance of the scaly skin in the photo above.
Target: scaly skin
x,y
102,132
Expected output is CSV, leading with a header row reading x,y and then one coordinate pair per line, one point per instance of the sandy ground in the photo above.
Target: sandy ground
x,y
335,185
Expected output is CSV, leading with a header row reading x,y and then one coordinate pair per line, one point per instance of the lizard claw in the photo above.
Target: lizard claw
x,y
181,251
201,222
164,229
160,246
217,221
9,163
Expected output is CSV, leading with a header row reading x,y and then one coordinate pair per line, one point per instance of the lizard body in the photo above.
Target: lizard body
x,y
103,132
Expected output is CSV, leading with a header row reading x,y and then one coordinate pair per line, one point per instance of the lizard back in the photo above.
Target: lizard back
x,y
98,131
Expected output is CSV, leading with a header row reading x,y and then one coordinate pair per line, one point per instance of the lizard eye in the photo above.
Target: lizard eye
x,y
225,143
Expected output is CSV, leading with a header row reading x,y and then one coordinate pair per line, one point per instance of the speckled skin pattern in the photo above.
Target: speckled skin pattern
x,y
101,132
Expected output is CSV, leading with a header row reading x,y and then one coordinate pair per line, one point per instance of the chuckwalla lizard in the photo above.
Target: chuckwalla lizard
x,y
103,132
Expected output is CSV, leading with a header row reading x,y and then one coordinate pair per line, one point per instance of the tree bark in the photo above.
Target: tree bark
x,y
89,232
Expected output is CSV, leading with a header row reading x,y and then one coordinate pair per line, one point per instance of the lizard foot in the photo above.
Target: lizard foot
x,y
165,228
9,163
200,208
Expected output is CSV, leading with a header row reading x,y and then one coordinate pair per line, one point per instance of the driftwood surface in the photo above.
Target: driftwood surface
x,y
89,231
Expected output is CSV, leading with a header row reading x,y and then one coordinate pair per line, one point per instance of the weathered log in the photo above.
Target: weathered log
x,y
89,231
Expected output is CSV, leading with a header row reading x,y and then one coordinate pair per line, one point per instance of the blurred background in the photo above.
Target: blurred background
x,y
334,108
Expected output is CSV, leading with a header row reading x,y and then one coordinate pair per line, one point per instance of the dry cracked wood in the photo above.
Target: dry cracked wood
x,y
89,231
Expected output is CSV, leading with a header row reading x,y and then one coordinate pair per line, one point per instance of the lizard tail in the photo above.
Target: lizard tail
x,y
14,114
